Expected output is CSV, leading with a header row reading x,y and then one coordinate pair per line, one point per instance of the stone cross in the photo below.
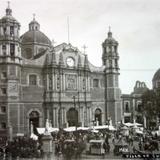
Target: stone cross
x,y
84,48
8,4
34,15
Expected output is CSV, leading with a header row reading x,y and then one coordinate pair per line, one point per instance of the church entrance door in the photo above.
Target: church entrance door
x,y
72,117
98,116
34,119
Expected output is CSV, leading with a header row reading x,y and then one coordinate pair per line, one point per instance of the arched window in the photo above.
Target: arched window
x,y
32,79
4,49
12,50
116,63
126,107
2,109
139,107
34,119
4,30
11,30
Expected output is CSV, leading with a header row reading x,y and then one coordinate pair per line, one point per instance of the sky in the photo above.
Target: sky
x,y
134,24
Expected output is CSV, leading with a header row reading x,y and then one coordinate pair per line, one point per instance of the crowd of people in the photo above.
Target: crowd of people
x,y
74,144
23,147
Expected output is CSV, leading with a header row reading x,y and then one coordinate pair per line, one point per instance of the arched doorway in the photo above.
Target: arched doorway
x,y
34,119
98,116
72,117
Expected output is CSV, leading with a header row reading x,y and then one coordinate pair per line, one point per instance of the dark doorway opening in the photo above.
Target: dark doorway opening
x,y
98,116
34,119
72,117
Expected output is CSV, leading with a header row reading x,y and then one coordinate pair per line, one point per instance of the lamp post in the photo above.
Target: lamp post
x,y
108,120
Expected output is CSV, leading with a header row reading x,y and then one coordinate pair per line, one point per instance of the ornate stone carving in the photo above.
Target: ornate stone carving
x,y
71,82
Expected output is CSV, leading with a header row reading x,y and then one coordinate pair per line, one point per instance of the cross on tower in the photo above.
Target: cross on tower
x,y
84,48
8,4
53,42
34,15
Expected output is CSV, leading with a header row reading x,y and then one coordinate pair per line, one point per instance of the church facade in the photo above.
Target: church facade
x,y
39,81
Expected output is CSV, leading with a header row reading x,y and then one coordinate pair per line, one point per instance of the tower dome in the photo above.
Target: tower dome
x,y
34,42
156,75
8,17
110,39
34,35
156,79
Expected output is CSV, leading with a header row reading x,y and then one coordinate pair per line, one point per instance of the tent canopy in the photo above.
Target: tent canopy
x,y
42,130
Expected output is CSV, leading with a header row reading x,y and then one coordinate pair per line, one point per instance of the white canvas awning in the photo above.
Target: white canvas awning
x,y
129,124
50,130
110,127
83,128
132,124
70,129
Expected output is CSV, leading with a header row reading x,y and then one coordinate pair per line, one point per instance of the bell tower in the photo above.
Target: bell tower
x,y
110,57
10,68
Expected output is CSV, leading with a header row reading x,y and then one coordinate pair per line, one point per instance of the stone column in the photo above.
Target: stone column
x,y
89,115
62,115
0,49
47,81
53,86
18,118
82,115
65,118
53,117
56,117
63,82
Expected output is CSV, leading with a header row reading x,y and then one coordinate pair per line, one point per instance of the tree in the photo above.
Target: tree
x,y
150,101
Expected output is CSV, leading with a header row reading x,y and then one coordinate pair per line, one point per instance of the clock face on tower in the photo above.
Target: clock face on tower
x,y
70,61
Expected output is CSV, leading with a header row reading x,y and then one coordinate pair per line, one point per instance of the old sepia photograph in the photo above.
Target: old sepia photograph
x,y
79,79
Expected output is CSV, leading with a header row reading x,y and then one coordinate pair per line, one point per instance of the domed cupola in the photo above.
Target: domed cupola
x,y
34,42
34,25
156,80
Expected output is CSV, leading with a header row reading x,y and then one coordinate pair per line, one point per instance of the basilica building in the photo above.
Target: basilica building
x,y
40,81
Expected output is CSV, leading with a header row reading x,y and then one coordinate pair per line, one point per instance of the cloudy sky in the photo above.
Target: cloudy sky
x,y
135,25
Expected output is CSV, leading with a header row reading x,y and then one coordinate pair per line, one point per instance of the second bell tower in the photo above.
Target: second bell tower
x,y
110,57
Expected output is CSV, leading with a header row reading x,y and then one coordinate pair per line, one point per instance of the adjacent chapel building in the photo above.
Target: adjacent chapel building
x,y
39,81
